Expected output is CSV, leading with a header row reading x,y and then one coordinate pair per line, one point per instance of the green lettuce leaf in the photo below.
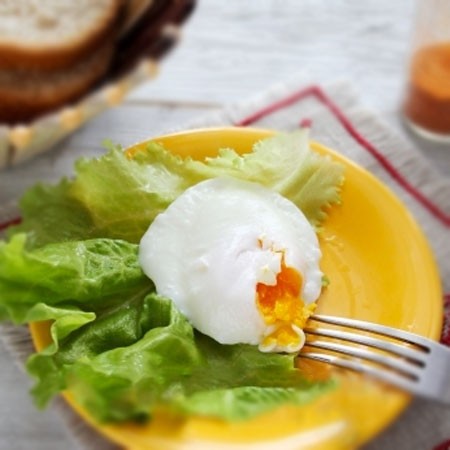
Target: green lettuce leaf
x,y
103,362
243,403
118,197
125,364
67,282
286,164
90,272
51,214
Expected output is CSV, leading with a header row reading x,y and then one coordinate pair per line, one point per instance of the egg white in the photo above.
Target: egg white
x,y
216,242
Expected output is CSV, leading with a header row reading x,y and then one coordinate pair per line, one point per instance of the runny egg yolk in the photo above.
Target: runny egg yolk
x,y
283,310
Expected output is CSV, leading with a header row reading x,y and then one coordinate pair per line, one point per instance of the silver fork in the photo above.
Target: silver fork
x,y
408,361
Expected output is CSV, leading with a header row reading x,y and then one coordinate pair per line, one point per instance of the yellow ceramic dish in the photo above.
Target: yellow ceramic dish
x,y
380,269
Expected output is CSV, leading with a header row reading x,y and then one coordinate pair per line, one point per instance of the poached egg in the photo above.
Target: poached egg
x,y
240,261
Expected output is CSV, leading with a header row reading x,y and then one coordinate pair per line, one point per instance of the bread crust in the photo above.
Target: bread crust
x,y
24,96
60,56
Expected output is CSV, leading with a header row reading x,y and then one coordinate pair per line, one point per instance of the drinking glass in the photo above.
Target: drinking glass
x,y
426,106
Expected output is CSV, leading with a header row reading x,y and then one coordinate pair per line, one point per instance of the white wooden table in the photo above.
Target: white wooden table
x,y
231,50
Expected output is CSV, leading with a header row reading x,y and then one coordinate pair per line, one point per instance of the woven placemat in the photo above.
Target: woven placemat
x,y
339,121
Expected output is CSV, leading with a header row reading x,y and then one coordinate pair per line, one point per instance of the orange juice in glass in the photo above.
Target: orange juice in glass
x,y
426,106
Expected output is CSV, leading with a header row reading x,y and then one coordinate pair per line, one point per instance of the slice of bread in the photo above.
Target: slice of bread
x,y
51,35
26,95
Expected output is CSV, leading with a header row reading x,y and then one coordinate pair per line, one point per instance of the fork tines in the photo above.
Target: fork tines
x,y
398,360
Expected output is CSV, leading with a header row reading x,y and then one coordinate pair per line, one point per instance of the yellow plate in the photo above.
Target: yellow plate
x,y
380,269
